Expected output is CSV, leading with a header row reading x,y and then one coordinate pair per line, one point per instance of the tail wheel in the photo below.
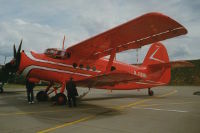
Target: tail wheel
x,y
61,99
42,96
150,92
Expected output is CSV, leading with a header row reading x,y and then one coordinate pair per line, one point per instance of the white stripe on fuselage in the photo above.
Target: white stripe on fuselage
x,y
29,68
28,54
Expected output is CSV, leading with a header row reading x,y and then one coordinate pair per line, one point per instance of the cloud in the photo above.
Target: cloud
x,y
42,24
35,36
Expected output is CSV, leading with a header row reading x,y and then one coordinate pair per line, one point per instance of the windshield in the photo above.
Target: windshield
x,y
56,53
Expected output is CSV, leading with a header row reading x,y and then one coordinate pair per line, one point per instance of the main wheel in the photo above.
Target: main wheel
x,y
61,99
42,96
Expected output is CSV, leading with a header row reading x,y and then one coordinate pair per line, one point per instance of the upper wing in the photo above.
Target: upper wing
x,y
108,79
136,33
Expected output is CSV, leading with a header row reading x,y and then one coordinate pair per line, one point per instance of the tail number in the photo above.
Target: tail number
x,y
140,74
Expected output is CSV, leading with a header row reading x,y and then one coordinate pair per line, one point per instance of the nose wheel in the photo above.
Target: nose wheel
x,y
150,92
42,96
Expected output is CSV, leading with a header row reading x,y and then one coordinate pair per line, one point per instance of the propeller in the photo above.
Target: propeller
x,y
17,55
14,51
12,67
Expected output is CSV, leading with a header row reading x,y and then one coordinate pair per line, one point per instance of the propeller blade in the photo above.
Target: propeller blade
x,y
14,49
19,49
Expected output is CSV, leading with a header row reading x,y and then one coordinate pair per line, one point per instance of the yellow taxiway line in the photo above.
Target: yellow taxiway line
x,y
92,116
151,105
67,124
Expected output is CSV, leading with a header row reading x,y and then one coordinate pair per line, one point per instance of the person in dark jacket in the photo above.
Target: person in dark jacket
x,y
29,89
71,92
1,87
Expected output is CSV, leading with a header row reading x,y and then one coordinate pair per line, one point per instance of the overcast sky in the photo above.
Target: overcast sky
x,y
43,23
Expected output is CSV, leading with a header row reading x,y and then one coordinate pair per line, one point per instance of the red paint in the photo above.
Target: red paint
x,y
154,71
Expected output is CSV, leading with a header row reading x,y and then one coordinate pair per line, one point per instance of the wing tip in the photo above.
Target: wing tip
x,y
185,31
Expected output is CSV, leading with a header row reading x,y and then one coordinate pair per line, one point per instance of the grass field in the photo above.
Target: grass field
x,y
186,76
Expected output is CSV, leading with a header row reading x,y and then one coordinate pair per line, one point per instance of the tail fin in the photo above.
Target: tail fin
x,y
157,54
157,63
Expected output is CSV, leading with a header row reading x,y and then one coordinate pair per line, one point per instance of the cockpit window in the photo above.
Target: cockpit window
x,y
56,53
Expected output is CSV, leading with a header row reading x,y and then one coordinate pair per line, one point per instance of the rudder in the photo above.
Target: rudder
x,y
157,54
157,63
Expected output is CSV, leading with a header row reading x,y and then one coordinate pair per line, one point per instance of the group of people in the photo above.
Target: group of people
x,y
70,87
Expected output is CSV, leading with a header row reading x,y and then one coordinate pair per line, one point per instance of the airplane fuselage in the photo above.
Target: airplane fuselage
x,y
38,67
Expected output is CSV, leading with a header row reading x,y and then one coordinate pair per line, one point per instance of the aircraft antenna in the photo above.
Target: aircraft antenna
x,y
63,46
137,56
5,60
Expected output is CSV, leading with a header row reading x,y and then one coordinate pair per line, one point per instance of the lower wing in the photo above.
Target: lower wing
x,y
108,79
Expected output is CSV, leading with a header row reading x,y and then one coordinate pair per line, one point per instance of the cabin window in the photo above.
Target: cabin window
x,y
113,68
74,65
81,66
88,67
94,68
67,54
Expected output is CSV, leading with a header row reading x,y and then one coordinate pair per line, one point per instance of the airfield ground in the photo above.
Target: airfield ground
x,y
170,110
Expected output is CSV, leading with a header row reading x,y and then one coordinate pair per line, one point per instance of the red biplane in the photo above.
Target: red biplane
x,y
85,61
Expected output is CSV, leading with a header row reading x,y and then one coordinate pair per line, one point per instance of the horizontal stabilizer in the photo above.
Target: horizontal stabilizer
x,y
173,64
178,64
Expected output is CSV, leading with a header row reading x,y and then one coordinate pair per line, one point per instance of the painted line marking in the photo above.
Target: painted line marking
x,y
92,116
145,100
150,105
167,94
158,109
67,124
132,104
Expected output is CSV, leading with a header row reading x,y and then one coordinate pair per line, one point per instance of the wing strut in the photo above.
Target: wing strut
x,y
110,62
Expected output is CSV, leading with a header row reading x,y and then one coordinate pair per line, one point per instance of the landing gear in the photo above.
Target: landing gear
x,y
150,92
42,96
60,99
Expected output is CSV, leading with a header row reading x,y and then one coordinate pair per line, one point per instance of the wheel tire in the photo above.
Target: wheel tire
x,y
61,99
42,96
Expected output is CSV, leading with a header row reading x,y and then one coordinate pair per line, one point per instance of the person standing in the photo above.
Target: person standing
x,y
29,89
1,87
71,92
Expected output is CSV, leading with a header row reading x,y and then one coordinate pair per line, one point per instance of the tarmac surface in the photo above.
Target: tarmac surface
x,y
172,109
